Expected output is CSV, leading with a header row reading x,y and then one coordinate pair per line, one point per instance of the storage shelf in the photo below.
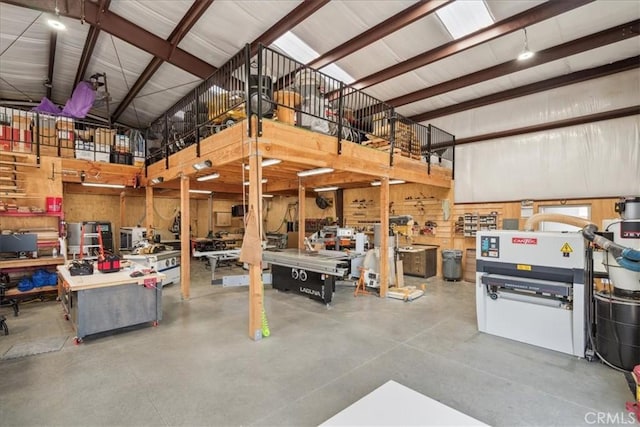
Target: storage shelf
x,y
28,214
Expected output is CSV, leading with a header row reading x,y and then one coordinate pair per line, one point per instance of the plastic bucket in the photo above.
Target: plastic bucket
x,y
54,204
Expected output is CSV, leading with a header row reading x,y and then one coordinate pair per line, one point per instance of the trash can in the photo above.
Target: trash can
x,y
452,264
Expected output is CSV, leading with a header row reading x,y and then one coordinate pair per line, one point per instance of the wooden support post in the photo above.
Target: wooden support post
x,y
302,215
149,209
384,238
123,208
255,270
185,238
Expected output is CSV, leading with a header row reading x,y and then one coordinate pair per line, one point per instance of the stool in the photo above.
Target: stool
x,y
361,287
3,324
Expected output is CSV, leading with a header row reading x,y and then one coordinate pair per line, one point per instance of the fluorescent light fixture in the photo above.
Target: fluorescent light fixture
x,y
202,165
317,171
208,177
157,180
464,17
267,195
56,25
391,182
266,162
96,184
325,189
526,53
200,191
264,181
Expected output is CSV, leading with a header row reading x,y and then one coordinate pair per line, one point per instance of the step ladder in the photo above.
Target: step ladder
x,y
85,235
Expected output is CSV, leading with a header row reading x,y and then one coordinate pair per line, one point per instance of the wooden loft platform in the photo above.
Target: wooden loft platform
x,y
299,149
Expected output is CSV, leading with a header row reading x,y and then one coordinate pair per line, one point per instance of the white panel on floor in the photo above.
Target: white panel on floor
x,y
393,404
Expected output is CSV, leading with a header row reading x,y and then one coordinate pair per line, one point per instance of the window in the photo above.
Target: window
x,y
464,17
582,211
294,47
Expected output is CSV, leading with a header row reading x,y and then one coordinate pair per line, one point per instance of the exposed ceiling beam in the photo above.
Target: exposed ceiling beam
x,y
574,121
293,18
525,19
396,22
541,86
90,44
124,30
189,19
574,47
53,41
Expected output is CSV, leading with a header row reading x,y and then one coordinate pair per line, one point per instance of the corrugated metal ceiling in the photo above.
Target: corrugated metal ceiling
x,y
226,26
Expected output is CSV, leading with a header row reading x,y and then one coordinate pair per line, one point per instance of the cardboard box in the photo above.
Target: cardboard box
x,y
66,134
47,132
84,145
66,143
46,122
102,157
86,134
85,155
21,121
64,124
52,151
122,143
104,136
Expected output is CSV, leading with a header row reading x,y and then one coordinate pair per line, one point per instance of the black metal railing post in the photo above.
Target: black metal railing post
x,y
340,116
392,134
166,141
247,88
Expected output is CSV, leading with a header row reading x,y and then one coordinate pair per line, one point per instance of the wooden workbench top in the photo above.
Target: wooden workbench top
x,y
101,280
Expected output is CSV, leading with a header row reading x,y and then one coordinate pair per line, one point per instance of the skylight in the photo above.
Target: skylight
x,y
464,17
294,47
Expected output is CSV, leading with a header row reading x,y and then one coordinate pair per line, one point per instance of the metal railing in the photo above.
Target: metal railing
x,y
280,88
29,132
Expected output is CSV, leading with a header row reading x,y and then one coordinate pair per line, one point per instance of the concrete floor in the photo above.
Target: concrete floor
x,y
200,368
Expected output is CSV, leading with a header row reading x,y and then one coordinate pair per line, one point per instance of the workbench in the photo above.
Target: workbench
x,y
103,302
419,260
13,295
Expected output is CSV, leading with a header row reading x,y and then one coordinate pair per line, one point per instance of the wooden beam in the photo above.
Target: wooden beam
x,y
255,270
185,239
123,208
302,215
148,203
384,237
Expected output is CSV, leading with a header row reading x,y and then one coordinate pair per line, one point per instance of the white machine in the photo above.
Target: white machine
x,y
166,262
530,288
130,237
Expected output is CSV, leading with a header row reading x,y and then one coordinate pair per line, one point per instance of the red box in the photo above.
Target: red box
x,y
110,264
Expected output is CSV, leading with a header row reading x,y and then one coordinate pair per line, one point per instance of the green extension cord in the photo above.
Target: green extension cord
x,y
265,324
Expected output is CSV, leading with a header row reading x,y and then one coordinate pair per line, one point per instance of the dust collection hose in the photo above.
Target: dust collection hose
x,y
627,257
